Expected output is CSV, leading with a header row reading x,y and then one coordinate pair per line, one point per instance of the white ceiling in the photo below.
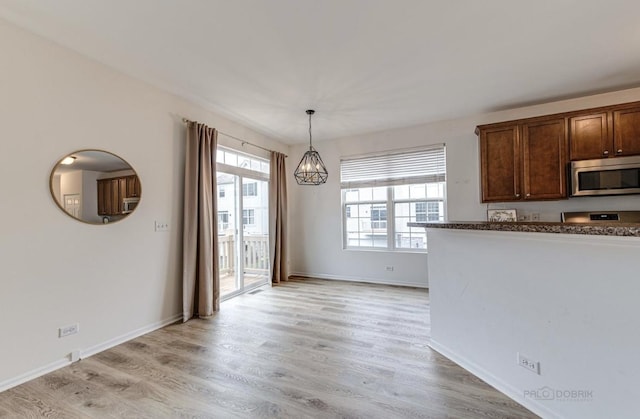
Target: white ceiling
x,y
363,65
94,160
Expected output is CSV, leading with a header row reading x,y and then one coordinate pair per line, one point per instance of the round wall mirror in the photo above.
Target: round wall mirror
x,y
95,186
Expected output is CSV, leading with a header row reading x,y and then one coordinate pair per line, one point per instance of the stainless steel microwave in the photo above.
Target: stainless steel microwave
x,y
612,176
129,204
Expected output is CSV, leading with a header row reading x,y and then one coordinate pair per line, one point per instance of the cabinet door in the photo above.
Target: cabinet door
x,y
544,159
137,187
500,164
107,197
101,203
590,136
115,197
626,130
122,193
133,186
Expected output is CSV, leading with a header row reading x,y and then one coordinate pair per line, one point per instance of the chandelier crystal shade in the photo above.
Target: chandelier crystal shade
x,y
311,169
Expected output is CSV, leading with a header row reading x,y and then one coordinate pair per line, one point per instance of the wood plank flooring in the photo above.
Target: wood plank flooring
x,y
305,349
228,282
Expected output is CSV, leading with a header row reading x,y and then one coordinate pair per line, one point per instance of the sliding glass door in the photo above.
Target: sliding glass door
x,y
243,222
255,232
228,234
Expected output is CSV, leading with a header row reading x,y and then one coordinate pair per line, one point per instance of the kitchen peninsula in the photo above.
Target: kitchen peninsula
x,y
617,229
564,296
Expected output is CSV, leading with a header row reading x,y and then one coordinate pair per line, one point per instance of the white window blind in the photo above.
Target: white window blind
x,y
416,166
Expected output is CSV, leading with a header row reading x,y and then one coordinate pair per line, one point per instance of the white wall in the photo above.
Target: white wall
x,y
71,184
55,187
116,280
83,183
316,218
569,302
90,196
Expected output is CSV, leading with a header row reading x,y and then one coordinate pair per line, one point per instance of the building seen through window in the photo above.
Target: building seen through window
x,y
381,194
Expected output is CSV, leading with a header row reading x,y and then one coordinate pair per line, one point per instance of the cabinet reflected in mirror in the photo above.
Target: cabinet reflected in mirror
x,y
95,186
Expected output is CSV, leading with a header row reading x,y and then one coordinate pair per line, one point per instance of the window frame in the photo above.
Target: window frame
x,y
391,203
390,229
423,213
248,214
223,225
378,209
250,189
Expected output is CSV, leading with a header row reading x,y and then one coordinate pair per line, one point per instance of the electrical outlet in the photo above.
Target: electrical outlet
x,y
528,363
524,217
389,268
535,216
68,330
161,226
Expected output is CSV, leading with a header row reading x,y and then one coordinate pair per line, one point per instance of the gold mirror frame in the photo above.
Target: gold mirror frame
x,y
98,187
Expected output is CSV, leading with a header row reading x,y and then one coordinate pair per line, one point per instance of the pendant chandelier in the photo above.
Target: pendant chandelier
x,y
311,169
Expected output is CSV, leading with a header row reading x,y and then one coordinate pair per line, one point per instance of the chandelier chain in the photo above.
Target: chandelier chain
x,y
310,146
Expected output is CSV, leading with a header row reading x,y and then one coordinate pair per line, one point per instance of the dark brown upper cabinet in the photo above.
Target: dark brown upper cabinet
x,y
527,159
606,132
590,136
500,163
523,161
626,131
112,191
544,159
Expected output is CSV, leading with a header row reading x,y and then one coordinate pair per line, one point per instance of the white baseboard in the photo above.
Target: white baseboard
x,y
517,395
30,375
128,336
358,279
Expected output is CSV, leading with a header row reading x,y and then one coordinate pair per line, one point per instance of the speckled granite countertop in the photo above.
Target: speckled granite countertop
x,y
601,229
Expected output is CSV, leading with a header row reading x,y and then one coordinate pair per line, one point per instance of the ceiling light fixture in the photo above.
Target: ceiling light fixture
x,y
311,169
68,160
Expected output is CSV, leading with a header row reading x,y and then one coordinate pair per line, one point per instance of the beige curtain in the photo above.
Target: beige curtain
x,y
200,278
278,218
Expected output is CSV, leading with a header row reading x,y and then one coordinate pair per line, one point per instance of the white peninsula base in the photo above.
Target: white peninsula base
x,y
569,302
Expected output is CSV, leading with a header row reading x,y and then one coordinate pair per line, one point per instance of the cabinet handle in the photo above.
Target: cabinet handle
x,y
619,151
517,195
606,152
528,194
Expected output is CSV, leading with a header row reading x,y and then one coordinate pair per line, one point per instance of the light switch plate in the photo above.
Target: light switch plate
x,y
161,226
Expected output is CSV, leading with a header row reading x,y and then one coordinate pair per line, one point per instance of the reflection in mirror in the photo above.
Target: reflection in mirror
x,y
95,186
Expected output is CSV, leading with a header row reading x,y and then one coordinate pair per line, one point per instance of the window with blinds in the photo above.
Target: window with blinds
x,y
421,166
382,193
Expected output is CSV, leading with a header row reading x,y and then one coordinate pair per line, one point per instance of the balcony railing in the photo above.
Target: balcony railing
x,y
256,254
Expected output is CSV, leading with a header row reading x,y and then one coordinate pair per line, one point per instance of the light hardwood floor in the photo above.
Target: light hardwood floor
x,y
305,349
228,282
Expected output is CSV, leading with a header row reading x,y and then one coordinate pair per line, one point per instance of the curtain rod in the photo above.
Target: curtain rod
x,y
243,142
